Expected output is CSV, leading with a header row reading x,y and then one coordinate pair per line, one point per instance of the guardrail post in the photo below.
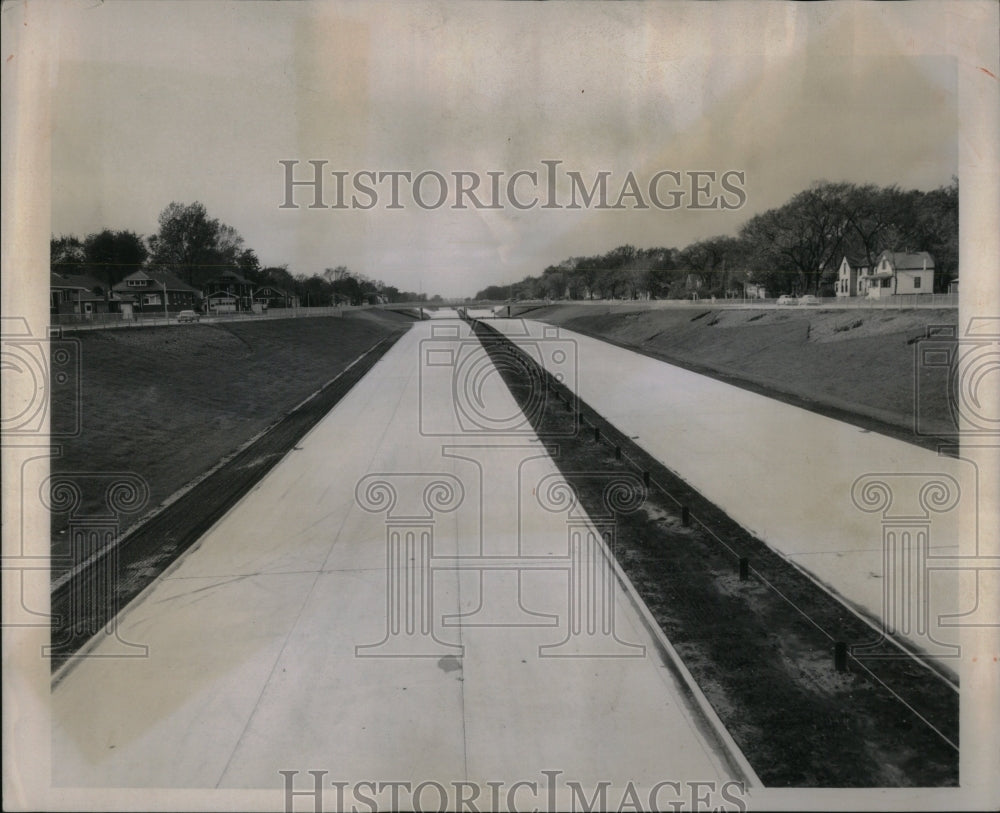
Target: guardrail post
x,y
840,656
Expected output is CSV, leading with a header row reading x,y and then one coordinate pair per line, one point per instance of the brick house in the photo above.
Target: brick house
x,y
80,295
270,296
228,291
144,291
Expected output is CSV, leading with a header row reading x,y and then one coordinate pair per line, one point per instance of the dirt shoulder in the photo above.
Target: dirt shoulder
x,y
858,366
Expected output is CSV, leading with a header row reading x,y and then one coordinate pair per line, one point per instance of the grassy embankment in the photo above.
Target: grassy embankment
x,y
856,365
170,403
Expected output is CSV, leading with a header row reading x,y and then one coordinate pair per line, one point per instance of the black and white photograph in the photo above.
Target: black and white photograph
x,y
500,406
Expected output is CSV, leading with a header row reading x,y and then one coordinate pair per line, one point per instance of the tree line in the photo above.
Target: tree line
x,y
795,248
195,248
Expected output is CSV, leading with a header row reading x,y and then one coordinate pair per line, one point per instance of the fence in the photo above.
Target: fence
x,y
102,321
891,302
97,321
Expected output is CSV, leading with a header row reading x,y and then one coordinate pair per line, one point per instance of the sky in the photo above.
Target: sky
x,y
156,102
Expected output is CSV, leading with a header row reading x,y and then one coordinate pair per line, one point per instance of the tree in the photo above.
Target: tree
x,y
66,254
874,216
938,221
314,290
110,256
659,265
278,276
553,283
801,238
715,259
346,285
193,245
494,292
249,266
787,249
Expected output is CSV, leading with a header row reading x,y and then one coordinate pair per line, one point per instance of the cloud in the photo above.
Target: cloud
x,y
152,105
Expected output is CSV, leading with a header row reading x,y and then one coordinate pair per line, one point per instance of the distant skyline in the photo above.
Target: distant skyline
x,y
162,101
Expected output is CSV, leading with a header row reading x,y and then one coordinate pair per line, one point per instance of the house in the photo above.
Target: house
x,y
953,286
849,276
753,290
65,293
899,272
78,294
233,286
144,291
270,296
693,282
221,302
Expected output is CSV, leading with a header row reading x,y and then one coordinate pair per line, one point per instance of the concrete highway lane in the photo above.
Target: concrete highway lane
x,y
874,519
402,598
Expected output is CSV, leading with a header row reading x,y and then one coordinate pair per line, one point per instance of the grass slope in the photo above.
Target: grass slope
x,y
169,403
860,362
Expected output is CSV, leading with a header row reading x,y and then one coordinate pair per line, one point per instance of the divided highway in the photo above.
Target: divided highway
x,y
403,597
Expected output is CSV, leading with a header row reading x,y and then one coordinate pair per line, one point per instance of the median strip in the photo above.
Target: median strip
x,y
794,675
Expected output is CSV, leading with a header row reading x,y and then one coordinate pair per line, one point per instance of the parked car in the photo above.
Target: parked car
x,y
188,316
808,299
787,299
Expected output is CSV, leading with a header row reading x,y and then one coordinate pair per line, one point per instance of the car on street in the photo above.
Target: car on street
x,y
188,316
787,299
808,299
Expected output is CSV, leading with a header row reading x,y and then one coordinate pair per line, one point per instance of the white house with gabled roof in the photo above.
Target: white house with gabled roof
x,y
898,272
849,275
